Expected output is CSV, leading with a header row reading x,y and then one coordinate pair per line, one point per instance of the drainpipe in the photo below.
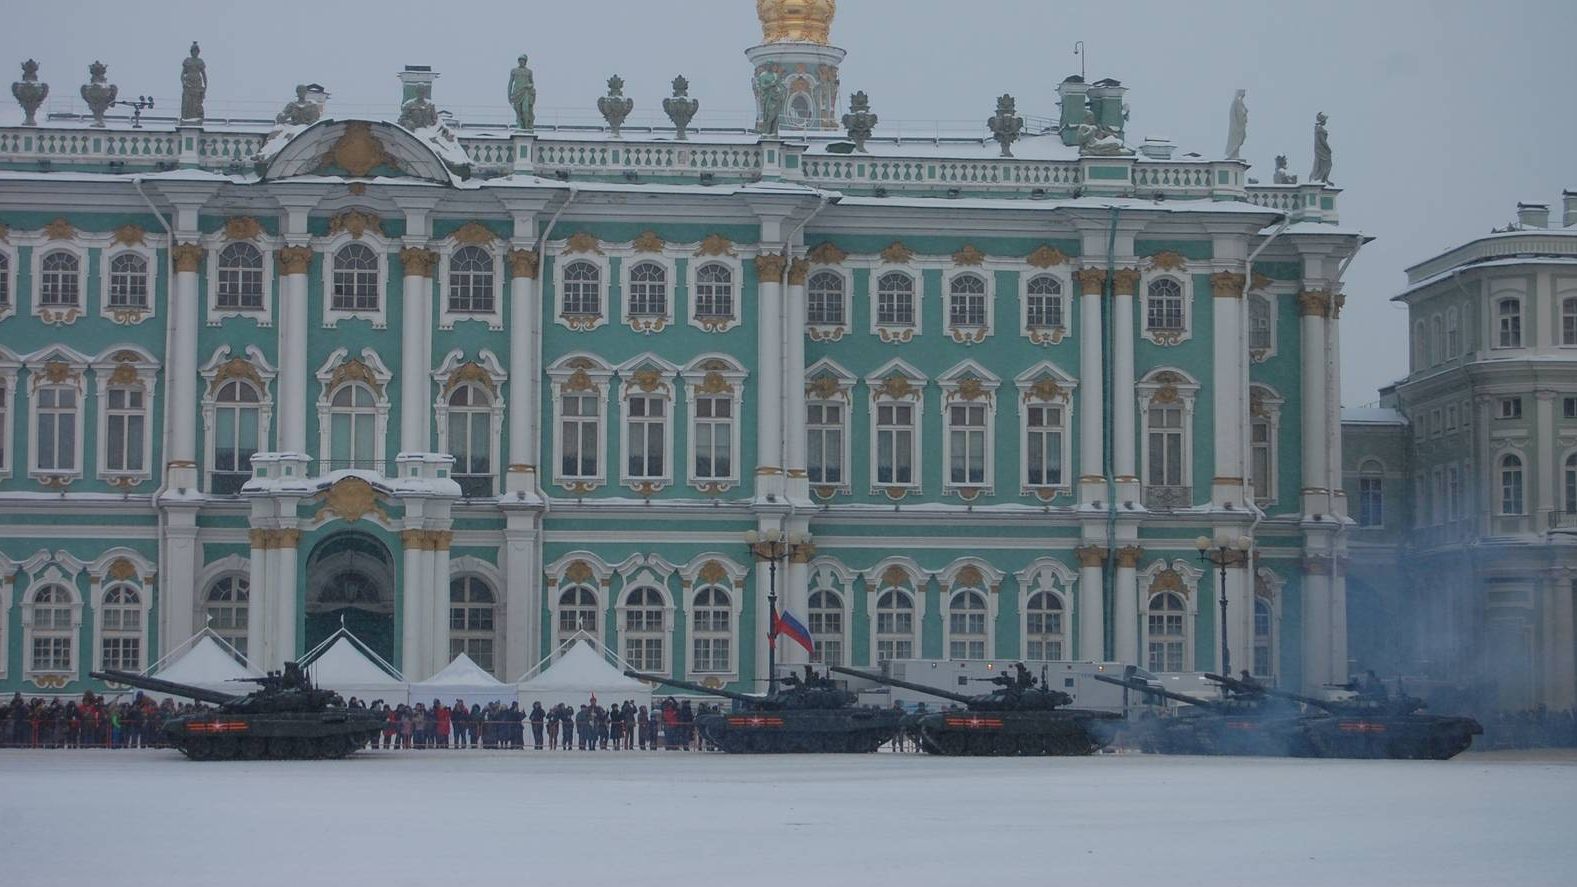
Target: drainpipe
x,y
1109,334
1333,429
534,383
164,369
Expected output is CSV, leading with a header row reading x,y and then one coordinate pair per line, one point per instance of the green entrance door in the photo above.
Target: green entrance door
x,y
350,582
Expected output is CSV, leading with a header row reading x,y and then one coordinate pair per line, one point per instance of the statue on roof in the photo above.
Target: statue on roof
x,y
30,94
680,108
860,120
1096,140
301,112
194,84
615,106
419,112
1237,126
523,95
770,95
1280,176
98,92
1005,124
1322,152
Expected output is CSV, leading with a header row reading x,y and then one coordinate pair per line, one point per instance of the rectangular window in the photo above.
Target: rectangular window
x,y
578,436
967,444
124,423
824,446
1451,418
644,654
3,426
57,429
967,308
1454,510
1510,408
1044,446
714,435
1569,407
1509,314
235,442
1259,323
1166,446
51,653
1569,321
1044,309
1371,502
895,444
1434,422
1260,460
966,650
1511,487
1440,502
648,436
122,653
1165,655
352,437
711,655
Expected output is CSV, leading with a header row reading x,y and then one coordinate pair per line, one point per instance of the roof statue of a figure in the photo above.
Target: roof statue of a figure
x,y
302,111
1322,152
769,98
30,94
1097,140
680,108
523,95
194,84
419,112
98,92
1280,176
1237,126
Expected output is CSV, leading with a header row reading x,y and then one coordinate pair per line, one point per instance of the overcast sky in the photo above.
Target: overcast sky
x,y
1443,114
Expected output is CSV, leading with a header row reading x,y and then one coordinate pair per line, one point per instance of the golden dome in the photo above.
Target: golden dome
x,y
800,21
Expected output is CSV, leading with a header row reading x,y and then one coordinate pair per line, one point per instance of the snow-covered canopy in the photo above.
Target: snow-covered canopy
x,y
343,664
462,679
578,674
203,662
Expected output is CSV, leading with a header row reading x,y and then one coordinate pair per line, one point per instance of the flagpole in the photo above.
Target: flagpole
x,y
772,546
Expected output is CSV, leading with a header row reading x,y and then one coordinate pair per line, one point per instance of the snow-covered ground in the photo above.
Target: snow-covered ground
x,y
479,819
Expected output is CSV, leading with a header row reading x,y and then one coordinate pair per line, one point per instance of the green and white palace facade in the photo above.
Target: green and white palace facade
x,y
478,387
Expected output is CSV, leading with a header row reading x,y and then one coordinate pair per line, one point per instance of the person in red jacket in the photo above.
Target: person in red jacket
x,y
441,715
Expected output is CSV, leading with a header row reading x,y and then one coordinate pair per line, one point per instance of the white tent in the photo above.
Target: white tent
x,y
344,664
204,661
580,672
465,680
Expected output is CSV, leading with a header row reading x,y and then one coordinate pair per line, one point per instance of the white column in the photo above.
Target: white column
x,y
177,582
438,620
1126,607
769,381
1316,622
1338,622
181,369
1545,480
1092,405
522,634
1125,284
283,574
794,422
1563,683
1228,397
1333,409
524,393
260,619
1312,307
415,607
290,410
1092,617
1240,616
416,409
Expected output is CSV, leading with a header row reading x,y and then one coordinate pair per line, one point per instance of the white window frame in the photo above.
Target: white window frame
x,y
830,332
43,571
896,332
1265,403
59,316
1190,577
579,375
1502,487
147,373
1453,333
1568,500
1045,335
720,323
266,247
1166,338
647,579
827,383
495,635
76,378
1273,640
129,315
234,567
987,639
558,609
730,669
1046,575
1498,337
455,371
969,333
327,386
331,246
713,376
1371,469
562,259
914,398
1565,308
648,323
916,595
956,391
1187,392
8,278
1437,340
1032,387
447,317
100,584
1260,354
10,368
630,386
215,377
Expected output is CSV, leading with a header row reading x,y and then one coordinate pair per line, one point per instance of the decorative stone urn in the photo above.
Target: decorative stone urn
x,y
614,106
1005,124
98,92
681,108
859,121
30,94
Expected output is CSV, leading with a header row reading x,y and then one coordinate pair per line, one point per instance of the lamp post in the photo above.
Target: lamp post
x,y
1224,555
773,546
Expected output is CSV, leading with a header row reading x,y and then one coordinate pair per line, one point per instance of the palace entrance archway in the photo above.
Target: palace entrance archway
x,y
351,582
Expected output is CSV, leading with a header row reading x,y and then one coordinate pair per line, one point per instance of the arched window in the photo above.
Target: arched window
x,y
1043,626
240,278
1166,636
824,299
1568,317
128,281
471,281
1453,334
645,630
125,423
1437,341
237,414
471,620
56,444
1371,495
1508,313
1420,347
53,633
227,608
577,612
353,414
799,110
1044,307
582,288
60,281
1511,499
966,304
1260,331
712,632
826,626
648,295
1163,309
470,439
1571,483
355,278
1264,639
966,626
895,299
120,633
894,625
714,291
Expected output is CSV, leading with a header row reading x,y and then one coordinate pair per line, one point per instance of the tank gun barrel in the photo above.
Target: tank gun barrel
x,y
697,688
1142,687
1234,684
213,697
894,682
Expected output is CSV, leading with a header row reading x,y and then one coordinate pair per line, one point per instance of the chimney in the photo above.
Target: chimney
x,y
1070,93
1106,100
1157,148
1569,213
1533,215
411,77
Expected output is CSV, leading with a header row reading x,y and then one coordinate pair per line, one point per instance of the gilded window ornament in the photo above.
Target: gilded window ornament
x,y
895,387
716,245
969,388
825,388
826,253
1168,580
350,499
129,235
354,370
969,255
242,228
355,222
1044,389
1045,256
5,233
896,253
578,573
470,371
648,380
236,368
358,151
969,576
59,229
1168,260
894,577
714,383
583,242
473,234
648,242
712,573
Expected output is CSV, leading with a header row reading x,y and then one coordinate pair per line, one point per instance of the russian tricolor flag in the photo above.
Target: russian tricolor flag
x,y
784,623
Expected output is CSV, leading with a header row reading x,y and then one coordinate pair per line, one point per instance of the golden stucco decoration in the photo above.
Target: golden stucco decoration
x,y
648,242
1263,588
896,387
1260,281
647,380
578,573
473,234
1314,303
130,234
715,245
1090,555
1128,556
826,253
5,233
350,499
1125,281
583,242
712,573
896,253
188,256
524,263
714,383
59,229
1226,284
1091,280
294,259
769,267
1045,256
354,370
469,372
798,269
580,380
969,255
824,388
356,223
233,369
969,576
418,262
895,576
1168,260
969,388
124,375
58,372
1045,388
242,228
1168,580
358,151
121,570
795,21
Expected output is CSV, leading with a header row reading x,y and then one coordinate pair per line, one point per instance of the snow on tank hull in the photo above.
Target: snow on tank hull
x,y
1011,733
1426,737
845,730
220,735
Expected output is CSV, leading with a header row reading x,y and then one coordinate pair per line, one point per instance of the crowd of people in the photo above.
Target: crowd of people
x,y
590,727
89,722
1533,728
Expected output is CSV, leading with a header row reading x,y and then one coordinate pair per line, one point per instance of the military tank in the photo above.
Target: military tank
x,y
1375,724
810,715
1019,718
1247,721
286,717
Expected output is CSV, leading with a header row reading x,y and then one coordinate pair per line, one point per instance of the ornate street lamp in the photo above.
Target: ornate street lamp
x,y
1224,555
773,546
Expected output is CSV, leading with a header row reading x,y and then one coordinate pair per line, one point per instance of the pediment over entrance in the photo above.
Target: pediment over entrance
x,y
356,149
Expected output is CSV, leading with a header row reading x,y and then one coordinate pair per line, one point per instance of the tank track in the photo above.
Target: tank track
x,y
254,748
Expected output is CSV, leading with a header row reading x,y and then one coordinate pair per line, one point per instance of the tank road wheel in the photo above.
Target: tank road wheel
x,y
277,747
1004,744
225,747
252,748
949,743
196,748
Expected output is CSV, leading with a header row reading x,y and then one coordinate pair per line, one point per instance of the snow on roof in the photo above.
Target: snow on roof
x,y
582,668
1372,416
206,664
345,663
1095,203
1491,263
462,672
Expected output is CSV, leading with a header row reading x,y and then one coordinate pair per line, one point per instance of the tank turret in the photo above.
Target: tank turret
x,y
1018,691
